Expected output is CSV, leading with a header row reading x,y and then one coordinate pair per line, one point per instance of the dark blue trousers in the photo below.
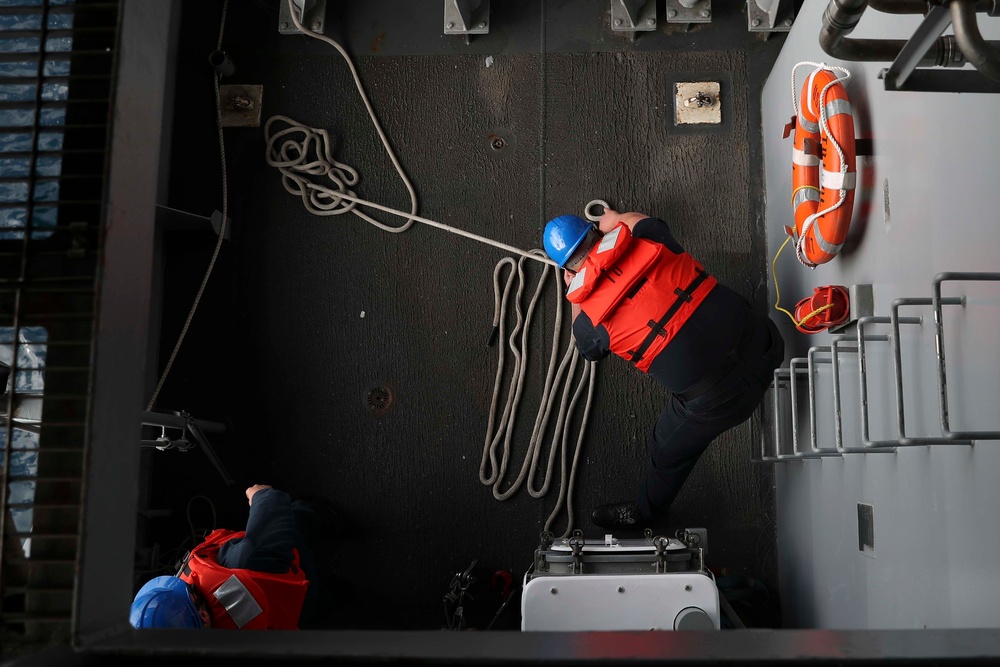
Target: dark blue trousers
x,y
689,424
318,602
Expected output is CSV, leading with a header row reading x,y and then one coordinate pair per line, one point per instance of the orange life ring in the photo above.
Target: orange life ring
x,y
831,194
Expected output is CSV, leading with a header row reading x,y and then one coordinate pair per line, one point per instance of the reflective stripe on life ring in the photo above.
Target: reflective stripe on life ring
x,y
814,152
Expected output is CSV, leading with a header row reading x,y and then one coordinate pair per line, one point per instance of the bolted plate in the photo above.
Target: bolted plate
x,y
760,20
478,17
686,103
241,105
645,17
699,12
315,17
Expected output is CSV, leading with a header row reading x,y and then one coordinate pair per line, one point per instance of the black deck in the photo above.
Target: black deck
x,y
279,347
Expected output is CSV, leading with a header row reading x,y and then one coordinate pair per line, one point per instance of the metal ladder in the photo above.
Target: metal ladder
x,y
856,343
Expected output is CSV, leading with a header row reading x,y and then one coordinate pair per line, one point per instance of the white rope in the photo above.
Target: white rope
x,y
800,241
557,382
222,228
312,156
371,113
302,153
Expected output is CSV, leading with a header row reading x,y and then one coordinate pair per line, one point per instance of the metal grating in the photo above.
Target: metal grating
x,y
56,64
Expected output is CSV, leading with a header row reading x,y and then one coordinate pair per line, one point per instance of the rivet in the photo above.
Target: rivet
x,y
672,13
553,590
284,26
316,25
651,21
788,22
482,24
687,587
705,13
618,21
449,25
755,22
621,589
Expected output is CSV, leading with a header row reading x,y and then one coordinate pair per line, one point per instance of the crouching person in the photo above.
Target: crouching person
x,y
260,578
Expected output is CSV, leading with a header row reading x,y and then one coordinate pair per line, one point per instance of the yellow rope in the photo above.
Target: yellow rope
x,y
803,187
777,292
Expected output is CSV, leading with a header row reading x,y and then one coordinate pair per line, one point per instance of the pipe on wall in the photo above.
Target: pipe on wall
x,y
921,6
977,50
842,16
899,6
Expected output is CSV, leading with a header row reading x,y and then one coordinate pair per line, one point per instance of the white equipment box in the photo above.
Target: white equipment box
x,y
656,583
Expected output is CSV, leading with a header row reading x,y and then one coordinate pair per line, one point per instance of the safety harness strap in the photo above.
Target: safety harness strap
x,y
659,328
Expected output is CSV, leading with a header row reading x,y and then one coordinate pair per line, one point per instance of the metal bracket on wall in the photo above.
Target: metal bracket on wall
x,y
633,16
462,18
697,102
860,303
195,428
903,74
933,26
770,15
313,13
689,11
241,105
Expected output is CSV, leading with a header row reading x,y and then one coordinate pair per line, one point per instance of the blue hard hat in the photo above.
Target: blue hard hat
x,y
563,235
164,602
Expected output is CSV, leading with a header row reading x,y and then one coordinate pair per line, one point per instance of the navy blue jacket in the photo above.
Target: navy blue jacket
x,y
271,534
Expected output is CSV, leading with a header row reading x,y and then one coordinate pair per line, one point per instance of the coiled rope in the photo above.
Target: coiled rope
x,y
558,382
303,155
800,242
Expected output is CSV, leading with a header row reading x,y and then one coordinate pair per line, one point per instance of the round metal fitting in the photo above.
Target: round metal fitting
x,y
705,13
672,14
755,23
500,143
650,21
378,399
482,24
588,210
242,103
618,21
449,26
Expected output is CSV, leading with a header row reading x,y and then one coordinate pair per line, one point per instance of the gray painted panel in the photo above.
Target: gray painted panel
x,y
105,588
934,508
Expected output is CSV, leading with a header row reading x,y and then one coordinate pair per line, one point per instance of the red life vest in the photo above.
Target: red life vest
x,y
640,291
241,598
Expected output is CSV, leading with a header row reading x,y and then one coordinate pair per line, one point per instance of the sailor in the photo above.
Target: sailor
x,y
260,578
635,292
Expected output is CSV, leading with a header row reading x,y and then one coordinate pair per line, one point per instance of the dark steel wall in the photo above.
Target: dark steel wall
x,y
280,348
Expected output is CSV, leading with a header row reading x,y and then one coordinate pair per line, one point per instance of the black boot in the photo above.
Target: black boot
x,y
618,515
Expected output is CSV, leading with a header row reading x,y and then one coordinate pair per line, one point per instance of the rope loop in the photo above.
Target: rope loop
x,y
558,390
